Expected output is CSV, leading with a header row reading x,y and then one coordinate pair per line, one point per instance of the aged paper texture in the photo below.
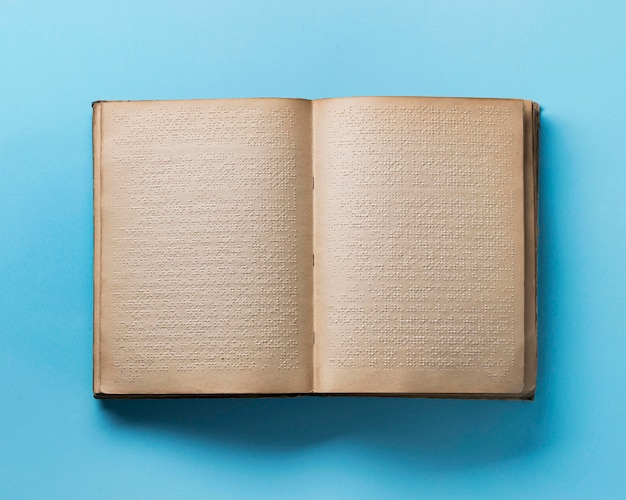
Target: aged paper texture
x,y
203,266
371,245
419,245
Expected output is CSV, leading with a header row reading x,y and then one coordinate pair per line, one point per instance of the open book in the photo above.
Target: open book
x,y
365,245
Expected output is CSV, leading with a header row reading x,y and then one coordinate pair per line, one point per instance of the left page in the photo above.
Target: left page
x,y
203,247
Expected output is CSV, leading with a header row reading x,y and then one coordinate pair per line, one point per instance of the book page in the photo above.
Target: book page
x,y
203,267
419,245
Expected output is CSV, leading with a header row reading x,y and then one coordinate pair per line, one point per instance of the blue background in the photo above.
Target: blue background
x,y
56,441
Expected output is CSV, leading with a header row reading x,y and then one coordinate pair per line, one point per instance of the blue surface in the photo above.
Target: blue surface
x,y
57,442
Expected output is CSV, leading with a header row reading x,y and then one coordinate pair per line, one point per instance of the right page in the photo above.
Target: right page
x,y
419,246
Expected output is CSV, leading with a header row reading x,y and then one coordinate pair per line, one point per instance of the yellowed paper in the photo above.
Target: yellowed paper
x,y
409,269
203,265
419,246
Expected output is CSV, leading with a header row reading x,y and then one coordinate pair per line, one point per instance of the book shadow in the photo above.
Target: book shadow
x,y
445,432
442,433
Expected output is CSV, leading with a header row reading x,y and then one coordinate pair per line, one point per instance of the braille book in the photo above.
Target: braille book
x,y
356,246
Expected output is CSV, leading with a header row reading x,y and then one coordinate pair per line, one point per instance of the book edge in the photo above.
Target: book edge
x,y
97,243
465,396
531,160
200,99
